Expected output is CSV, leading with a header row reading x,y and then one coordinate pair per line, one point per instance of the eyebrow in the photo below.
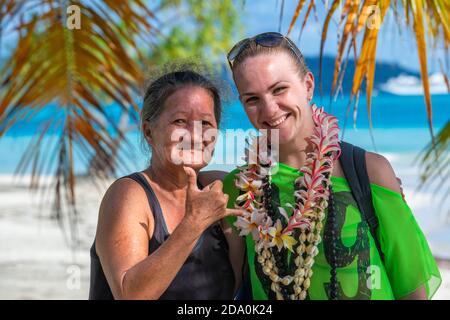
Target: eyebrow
x,y
269,88
184,113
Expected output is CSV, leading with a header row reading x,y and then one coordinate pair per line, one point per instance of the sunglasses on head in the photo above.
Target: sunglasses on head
x,y
267,39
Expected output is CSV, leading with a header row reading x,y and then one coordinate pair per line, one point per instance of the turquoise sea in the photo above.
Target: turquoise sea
x,y
400,131
400,125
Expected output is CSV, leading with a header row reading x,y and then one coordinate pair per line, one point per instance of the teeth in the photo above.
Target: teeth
x,y
278,122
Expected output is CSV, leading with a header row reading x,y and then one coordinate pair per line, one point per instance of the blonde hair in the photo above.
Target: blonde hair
x,y
253,49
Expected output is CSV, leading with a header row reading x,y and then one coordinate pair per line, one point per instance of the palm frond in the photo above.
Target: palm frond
x,y
76,70
330,13
435,161
429,21
308,11
430,18
296,13
419,30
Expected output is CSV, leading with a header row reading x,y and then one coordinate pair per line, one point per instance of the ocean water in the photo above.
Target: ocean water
x,y
400,132
400,126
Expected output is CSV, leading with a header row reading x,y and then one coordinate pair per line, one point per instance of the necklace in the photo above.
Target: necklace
x,y
299,233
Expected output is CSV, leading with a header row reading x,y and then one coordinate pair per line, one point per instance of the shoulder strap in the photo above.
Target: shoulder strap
x,y
353,162
160,222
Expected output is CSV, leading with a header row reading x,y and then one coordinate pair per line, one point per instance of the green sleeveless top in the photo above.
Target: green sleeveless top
x,y
408,263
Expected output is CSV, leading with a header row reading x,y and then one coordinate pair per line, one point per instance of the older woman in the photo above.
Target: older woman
x,y
159,234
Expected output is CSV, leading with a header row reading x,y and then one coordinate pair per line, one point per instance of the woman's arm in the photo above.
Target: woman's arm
x,y
381,173
122,238
122,245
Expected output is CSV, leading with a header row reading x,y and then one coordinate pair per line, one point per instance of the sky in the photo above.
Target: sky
x,y
397,46
394,45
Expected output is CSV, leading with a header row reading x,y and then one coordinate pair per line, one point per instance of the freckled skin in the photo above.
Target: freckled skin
x,y
184,109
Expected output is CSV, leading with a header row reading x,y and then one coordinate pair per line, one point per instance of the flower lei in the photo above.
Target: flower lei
x,y
312,191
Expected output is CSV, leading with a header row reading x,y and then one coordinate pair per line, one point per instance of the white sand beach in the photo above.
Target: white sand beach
x,y
36,263
35,260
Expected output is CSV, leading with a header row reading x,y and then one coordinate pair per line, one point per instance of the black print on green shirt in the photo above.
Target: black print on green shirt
x,y
360,250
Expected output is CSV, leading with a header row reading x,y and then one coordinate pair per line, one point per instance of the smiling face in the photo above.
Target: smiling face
x,y
187,122
275,95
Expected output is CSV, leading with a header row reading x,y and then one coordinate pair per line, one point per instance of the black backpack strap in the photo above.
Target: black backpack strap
x,y
245,292
353,162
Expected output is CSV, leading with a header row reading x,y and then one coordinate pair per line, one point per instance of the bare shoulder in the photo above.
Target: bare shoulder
x,y
381,172
123,194
124,203
207,177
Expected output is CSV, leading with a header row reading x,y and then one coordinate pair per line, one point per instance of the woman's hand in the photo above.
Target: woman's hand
x,y
204,207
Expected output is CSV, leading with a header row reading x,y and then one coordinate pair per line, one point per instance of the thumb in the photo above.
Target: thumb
x,y
192,178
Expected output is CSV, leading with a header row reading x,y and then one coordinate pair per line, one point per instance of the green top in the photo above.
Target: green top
x,y
361,273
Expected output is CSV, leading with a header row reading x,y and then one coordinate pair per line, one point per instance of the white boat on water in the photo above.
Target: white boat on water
x,y
408,85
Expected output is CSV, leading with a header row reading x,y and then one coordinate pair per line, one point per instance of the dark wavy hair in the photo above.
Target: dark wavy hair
x,y
172,77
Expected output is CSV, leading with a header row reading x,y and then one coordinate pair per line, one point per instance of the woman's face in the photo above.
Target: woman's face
x,y
274,95
185,131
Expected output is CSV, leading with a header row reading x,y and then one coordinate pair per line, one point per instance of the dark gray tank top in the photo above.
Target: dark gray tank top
x,y
206,274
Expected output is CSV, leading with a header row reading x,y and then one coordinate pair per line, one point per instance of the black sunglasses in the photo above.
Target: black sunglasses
x,y
267,39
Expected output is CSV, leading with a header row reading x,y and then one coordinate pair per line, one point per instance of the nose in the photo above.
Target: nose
x,y
268,109
195,130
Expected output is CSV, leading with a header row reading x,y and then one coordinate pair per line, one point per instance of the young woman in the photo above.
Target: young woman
x,y
305,236
159,234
